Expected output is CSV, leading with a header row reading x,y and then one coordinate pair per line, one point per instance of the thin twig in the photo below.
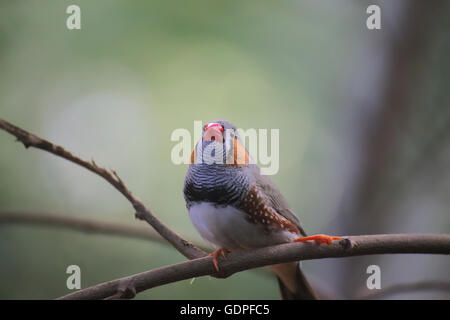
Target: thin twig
x,y
83,225
89,226
247,259
142,212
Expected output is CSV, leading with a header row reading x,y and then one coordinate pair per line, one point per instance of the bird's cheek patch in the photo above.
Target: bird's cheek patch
x,y
240,155
192,160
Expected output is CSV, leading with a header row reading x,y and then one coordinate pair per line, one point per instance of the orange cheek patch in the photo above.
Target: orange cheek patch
x,y
240,155
194,154
192,157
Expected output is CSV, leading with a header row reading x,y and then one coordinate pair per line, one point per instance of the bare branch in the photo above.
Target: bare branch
x,y
90,226
125,290
243,260
83,225
142,212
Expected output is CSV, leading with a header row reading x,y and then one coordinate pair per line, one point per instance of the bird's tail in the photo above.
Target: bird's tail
x,y
293,283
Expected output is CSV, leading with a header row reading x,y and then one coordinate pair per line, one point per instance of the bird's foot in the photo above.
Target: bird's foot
x,y
219,252
319,238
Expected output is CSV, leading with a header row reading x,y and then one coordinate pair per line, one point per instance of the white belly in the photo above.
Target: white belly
x,y
226,227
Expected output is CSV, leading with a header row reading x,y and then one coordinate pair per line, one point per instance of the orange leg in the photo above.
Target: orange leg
x,y
223,252
319,238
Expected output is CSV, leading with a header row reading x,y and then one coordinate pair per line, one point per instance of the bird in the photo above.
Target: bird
x,y
235,207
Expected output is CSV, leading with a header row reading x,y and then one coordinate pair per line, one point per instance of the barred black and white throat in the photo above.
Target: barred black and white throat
x,y
230,203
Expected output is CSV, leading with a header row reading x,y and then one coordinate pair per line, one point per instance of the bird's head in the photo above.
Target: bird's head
x,y
220,145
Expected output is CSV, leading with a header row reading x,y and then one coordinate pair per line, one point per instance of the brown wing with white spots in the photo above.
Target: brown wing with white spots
x,y
274,198
260,211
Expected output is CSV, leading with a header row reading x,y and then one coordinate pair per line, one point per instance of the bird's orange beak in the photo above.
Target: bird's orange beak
x,y
213,134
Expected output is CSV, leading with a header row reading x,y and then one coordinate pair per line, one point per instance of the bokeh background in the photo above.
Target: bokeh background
x,y
364,119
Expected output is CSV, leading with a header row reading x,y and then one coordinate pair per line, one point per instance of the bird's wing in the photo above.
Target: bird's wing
x,y
275,198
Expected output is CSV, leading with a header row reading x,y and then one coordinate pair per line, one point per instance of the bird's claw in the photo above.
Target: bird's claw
x,y
223,252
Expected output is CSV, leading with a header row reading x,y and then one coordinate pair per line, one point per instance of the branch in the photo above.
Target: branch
x,y
90,226
407,287
142,212
247,259
83,225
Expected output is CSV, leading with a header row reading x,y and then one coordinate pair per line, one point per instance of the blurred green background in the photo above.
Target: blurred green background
x,y
116,89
